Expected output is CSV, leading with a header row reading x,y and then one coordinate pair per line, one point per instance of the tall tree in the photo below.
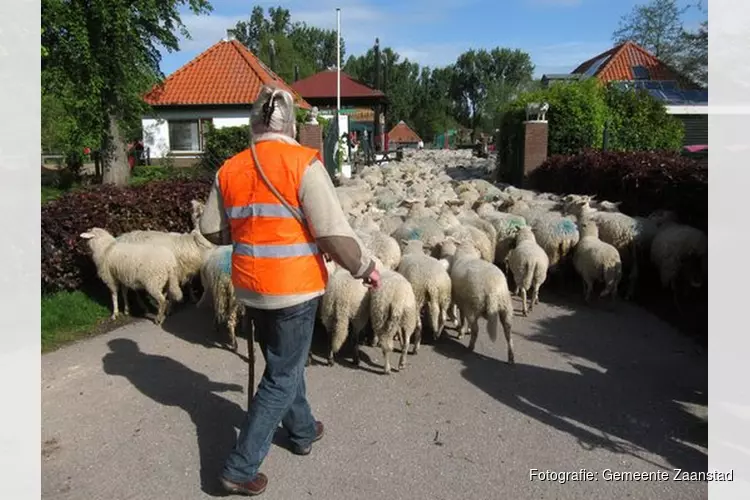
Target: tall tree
x,y
483,80
693,56
655,26
296,44
101,56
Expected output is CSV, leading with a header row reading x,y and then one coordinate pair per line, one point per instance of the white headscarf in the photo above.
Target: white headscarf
x,y
273,114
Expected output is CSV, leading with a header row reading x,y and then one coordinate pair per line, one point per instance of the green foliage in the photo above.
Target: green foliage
x,y
643,181
68,316
101,57
223,143
640,122
309,48
65,260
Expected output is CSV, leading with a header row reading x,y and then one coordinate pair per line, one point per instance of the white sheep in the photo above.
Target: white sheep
x,y
216,277
134,266
345,306
595,260
529,263
431,284
190,248
480,289
382,246
393,312
680,254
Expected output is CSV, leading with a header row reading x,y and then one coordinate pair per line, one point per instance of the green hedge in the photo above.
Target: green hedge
x,y
578,114
643,181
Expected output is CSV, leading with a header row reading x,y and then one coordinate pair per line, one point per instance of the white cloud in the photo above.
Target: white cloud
x,y
434,54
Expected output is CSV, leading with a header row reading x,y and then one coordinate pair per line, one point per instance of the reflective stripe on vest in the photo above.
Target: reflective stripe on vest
x,y
273,253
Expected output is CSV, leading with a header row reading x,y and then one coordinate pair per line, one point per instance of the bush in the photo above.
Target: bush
x,y
223,143
160,205
638,122
643,181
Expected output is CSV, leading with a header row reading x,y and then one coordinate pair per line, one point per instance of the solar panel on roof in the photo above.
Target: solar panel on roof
x,y
650,84
596,65
673,95
669,85
658,94
641,73
639,84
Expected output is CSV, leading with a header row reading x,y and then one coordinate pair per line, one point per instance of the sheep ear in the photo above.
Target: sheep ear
x,y
87,236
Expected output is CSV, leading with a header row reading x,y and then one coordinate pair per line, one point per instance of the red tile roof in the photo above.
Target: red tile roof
x,y
623,57
323,86
226,73
402,133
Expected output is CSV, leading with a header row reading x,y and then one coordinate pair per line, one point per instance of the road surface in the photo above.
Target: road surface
x,y
144,412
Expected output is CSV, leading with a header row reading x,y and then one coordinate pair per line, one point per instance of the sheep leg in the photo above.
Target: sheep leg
x,y
158,295
587,290
124,293
115,307
474,322
463,325
505,319
231,326
524,302
534,295
417,338
406,338
386,345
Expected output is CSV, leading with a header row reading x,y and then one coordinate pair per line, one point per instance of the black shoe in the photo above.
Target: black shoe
x,y
305,450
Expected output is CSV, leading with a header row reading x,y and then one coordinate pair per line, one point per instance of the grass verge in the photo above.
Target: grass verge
x,y
70,316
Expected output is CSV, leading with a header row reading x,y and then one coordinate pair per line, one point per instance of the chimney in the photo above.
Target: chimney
x,y
230,35
296,72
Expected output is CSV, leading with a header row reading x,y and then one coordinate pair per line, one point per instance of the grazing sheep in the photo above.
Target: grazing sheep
x,y
344,307
216,276
134,266
393,312
529,263
595,260
480,289
431,284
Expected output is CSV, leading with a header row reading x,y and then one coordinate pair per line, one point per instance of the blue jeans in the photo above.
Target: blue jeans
x,y
284,336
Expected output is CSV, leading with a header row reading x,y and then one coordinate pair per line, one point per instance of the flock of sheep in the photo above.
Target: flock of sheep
x,y
448,246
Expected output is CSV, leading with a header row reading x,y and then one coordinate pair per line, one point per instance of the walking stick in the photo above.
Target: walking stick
x,y
250,332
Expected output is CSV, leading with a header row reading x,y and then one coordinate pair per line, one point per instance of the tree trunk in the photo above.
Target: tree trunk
x,y
116,169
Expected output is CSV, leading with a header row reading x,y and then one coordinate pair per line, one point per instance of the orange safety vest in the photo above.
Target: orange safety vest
x,y
273,254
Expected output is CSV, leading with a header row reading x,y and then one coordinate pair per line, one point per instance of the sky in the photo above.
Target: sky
x,y
558,34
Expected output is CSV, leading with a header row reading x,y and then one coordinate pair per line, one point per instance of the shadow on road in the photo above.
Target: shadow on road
x,y
635,396
171,383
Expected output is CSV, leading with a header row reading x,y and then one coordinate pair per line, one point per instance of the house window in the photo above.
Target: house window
x,y
641,73
187,135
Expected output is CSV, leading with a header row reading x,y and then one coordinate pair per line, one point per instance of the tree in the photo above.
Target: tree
x,y
483,80
309,48
102,56
656,26
693,56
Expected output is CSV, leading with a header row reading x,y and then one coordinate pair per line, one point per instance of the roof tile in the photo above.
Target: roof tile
x,y
226,73
626,55
323,85
402,133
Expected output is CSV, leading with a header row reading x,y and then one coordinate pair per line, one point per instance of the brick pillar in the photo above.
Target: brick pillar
x,y
311,135
534,151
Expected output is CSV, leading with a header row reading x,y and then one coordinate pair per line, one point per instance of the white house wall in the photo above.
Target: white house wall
x,y
156,129
156,136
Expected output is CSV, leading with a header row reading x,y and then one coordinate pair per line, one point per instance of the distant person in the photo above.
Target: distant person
x,y
279,274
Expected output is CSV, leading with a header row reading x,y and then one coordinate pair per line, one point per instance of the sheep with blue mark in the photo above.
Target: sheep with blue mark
x,y
216,276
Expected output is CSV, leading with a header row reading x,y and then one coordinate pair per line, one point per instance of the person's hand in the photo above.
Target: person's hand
x,y
372,280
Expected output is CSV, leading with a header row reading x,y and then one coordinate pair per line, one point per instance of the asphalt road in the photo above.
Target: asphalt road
x,y
144,412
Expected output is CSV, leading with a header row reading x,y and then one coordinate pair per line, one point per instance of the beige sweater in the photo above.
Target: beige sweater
x,y
325,219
